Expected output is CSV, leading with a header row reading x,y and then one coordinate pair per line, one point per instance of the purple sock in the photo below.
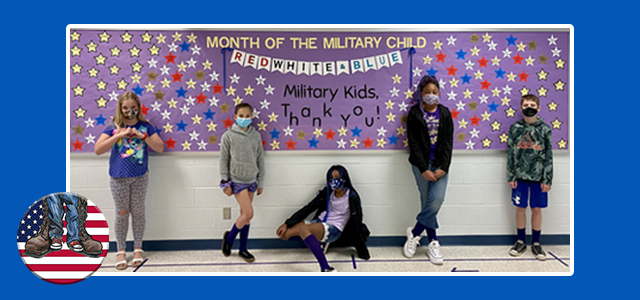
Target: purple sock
x,y
431,234
232,234
313,245
535,236
244,235
521,234
418,229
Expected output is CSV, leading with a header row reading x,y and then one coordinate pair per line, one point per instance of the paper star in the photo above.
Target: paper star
x,y
173,47
166,115
465,79
186,146
511,77
542,91
76,68
486,116
510,112
432,72
104,37
135,78
440,57
100,120
80,112
313,143
237,100
482,62
213,139
275,145
483,98
523,76
135,51
287,131
78,130
224,107
342,131
161,38
177,77
234,78
427,59
556,124
485,84
460,136
393,140
185,109
401,130
403,106
196,119
492,46
355,132
159,95
182,67
192,63
181,92
191,84
269,90
553,106
77,145
213,101
451,71
493,107
205,86
89,122
262,126
170,58
390,117
461,54
78,90
207,65
474,132
469,144
275,134
556,52
486,143
562,144
559,63
552,40
301,135
381,143
100,59
291,145
559,85
462,123
164,70
329,134
248,90
228,122
90,139
478,75
396,78
341,143
542,75
75,36
202,145
473,105
211,126
437,45
408,94
354,143
168,127
318,132
503,138
543,59
194,135
273,117
505,101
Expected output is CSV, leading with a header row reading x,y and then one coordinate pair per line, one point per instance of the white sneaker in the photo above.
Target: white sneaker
x,y
434,253
412,243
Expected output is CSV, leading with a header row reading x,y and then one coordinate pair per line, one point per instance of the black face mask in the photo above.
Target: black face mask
x,y
529,111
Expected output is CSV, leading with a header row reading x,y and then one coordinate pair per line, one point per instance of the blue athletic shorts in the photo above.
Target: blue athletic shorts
x,y
331,233
528,193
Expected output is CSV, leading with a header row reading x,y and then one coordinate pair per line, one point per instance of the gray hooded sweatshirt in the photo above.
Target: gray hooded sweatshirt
x,y
242,156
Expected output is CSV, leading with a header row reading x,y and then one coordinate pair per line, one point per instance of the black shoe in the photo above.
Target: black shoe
x,y
330,269
518,248
248,257
538,252
226,248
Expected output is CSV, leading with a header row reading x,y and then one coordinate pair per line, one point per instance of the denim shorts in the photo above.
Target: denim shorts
x,y
239,187
331,233
529,193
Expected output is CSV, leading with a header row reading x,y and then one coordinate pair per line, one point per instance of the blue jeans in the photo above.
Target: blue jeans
x,y
431,197
56,211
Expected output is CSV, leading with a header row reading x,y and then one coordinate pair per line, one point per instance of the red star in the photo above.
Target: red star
x,y
329,134
177,77
517,59
170,143
440,57
367,142
228,122
263,142
144,110
201,98
217,88
475,120
291,145
170,58
452,71
454,113
77,145
485,85
523,76
483,62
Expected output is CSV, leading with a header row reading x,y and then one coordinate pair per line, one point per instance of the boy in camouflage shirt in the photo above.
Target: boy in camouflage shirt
x,y
529,172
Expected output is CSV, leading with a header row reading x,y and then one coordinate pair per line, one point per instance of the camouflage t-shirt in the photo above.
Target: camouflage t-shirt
x,y
529,153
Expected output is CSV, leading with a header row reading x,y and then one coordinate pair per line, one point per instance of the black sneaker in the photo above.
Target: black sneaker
x,y
330,269
226,248
248,257
538,252
518,248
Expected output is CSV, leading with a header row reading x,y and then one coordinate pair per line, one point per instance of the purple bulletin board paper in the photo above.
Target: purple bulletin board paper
x,y
189,82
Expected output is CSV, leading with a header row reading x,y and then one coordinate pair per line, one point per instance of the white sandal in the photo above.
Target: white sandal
x,y
121,265
136,262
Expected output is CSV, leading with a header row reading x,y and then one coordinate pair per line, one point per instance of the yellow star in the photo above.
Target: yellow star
x,y
553,106
427,59
146,37
486,38
273,117
93,72
182,67
262,126
495,126
237,100
115,51
172,103
401,130
486,143
342,131
461,137
76,68
168,127
542,75
126,37
75,36
196,119
78,90
275,145
559,63
154,50
521,46
161,38
556,124
467,93
165,82
396,79
177,36
354,143
102,102
453,82
381,142
495,61
207,65
301,135
231,91
136,67
122,84
529,60
405,143
389,104
192,37
318,132
80,112
150,87
524,90
462,123
391,117
92,47
114,69
562,144
511,77
135,78
191,84
479,75
100,59
135,51
510,112
101,85
504,137
408,94
186,145
248,90
475,51
437,45
559,85
542,92
104,37
224,107
505,101
495,92
211,126
486,116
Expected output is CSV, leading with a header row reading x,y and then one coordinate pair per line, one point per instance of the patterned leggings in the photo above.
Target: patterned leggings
x,y
129,194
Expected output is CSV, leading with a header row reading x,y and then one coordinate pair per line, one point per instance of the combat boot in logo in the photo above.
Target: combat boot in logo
x,y
91,246
39,245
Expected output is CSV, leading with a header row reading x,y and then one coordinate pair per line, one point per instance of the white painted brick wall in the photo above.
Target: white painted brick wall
x,y
184,201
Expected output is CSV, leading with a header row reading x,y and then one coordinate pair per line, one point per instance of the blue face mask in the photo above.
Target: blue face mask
x,y
243,122
336,183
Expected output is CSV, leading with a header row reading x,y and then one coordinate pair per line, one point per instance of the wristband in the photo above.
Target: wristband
x,y
145,136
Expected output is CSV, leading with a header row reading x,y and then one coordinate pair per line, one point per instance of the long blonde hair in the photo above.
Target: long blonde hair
x,y
119,118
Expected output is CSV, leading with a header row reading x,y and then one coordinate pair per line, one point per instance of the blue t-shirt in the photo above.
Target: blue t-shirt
x,y
129,156
433,122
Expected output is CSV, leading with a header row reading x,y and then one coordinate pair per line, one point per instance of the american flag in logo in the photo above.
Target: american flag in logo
x,y
64,266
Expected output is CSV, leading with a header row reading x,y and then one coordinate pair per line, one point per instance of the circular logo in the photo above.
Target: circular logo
x,y
63,238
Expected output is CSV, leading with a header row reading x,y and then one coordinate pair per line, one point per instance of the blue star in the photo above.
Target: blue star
x,y
461,54
181,92
138,90
181,126
499,73
356,131
432,72
100,120
313,143
466,78
393,140
511,40
209,114
275,134
493,107
184,46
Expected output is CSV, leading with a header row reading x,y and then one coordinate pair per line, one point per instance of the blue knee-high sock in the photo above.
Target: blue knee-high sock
x,y
535,236
313,245
521,234
418,229
232,234
244,236
431,234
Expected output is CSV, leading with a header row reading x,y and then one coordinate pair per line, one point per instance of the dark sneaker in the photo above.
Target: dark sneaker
x,y
248,257
75,246
226,248
330,269
56,243
518,248
538,252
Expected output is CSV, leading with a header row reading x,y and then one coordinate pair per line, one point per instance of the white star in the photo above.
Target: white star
x,y
192,63
214,76
256,113
89,122
382,131
451,40
213,101
265,104
394,92
341,143
205,86
460,105
156,106
507,90
113,96
442,83
165,115
173,47
191,101
556,51
152,63
90,139
492,46
483,98
195,49
234,78
185,110
469,65
403,106
452,95
470,144
506,52
288,131
416,72
474,132
552,40
194,135
202,145
164,70
269,90
260,80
